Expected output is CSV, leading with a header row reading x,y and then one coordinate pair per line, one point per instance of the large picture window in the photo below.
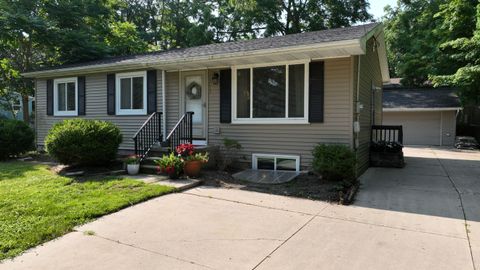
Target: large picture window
x,y
270,94
131,93
65,97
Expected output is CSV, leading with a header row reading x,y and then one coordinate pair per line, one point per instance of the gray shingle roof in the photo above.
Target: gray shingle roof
x,y
308,38
420,98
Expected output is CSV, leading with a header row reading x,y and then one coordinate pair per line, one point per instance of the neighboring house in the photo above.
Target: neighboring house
x,y
278,96
17,106
428,115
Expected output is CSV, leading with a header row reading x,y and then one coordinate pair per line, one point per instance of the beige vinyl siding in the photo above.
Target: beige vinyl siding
x,y
291,139
172,99
370,75
96,108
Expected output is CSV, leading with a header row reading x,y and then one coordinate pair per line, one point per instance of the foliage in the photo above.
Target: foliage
x,y
229,150
436,42
124,39
185,149
16,137
384,146
37,205
334,162
82,141
170,164
133,159
467,77
203,157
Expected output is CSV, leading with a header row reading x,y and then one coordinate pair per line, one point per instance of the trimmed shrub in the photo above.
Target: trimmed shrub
x,y
334,162
16,137
83,142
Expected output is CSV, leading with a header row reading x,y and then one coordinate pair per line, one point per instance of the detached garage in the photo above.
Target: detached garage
x,y
428,115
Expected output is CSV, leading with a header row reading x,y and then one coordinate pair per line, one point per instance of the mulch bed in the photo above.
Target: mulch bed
x,y
306,185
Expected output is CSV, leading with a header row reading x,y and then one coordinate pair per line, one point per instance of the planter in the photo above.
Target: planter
x,y
174,175
193,168
133,169
386,159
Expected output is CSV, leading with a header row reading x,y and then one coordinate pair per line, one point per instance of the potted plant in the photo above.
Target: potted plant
x,y
133,164
170,164
193,164
192,161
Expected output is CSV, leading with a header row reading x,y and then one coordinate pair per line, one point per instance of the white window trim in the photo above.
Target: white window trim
x,y
120,76
286,119
255,157
56,112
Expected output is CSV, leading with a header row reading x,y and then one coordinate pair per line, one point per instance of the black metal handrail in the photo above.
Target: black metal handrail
x,y
387,133
149,134
181,133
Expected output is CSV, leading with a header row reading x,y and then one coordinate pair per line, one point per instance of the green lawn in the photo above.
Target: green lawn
x,y
37,205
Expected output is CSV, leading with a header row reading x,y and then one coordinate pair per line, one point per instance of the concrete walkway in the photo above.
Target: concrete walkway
x,y
411,218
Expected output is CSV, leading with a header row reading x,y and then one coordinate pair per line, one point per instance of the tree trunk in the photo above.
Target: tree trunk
x,y
26,113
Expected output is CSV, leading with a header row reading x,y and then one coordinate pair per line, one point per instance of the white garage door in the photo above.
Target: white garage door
x,y
419,128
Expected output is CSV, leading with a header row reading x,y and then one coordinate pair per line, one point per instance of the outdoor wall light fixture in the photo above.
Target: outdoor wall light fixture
x,y
215,78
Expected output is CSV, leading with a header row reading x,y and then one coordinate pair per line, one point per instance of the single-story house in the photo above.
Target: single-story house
x,y
277,96
428,115
17,106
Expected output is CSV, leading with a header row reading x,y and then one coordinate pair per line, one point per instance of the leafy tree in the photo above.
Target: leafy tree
x,y
466,51
435,42
124,39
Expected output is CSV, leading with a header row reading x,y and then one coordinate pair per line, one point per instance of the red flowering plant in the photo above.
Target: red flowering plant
x,y
187,152
185,149
170,164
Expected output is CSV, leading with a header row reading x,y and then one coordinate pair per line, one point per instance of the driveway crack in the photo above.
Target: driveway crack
x,y
284,242
152,251
461,205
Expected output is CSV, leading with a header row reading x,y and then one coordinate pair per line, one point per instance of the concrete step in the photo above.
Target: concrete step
x,y
148,168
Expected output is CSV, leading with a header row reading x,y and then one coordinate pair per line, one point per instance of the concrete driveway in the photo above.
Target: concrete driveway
x,y
425,216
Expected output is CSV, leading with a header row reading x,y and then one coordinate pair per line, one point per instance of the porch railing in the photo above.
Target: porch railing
x,y
387,133
181,133
148,135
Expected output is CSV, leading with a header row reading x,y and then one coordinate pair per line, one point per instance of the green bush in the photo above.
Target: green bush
x,y
16,137
334,162
83,142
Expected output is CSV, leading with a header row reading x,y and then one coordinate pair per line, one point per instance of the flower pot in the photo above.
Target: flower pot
x,y
174,175
193,168
133,169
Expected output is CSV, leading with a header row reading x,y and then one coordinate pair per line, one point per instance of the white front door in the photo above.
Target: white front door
x,y
194,93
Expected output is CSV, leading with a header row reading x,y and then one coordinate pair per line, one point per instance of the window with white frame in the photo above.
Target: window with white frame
x,y
65,97
275,162
270,94
131,93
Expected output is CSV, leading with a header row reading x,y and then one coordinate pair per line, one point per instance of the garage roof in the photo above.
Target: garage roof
x,y
399,99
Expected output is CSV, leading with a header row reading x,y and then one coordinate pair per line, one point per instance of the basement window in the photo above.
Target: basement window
x,y
275,162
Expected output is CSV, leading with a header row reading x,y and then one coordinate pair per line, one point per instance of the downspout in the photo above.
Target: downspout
x,y
164,109
357,113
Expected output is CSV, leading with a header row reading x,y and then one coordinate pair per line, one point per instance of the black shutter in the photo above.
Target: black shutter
x,y
151,91
226,96
50,97
81,95
316,92
111,94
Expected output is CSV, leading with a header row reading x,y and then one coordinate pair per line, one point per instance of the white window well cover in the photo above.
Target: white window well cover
x,y
275,162
65,97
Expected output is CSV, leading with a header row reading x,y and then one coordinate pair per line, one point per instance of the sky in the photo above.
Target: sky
x,y
376,7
